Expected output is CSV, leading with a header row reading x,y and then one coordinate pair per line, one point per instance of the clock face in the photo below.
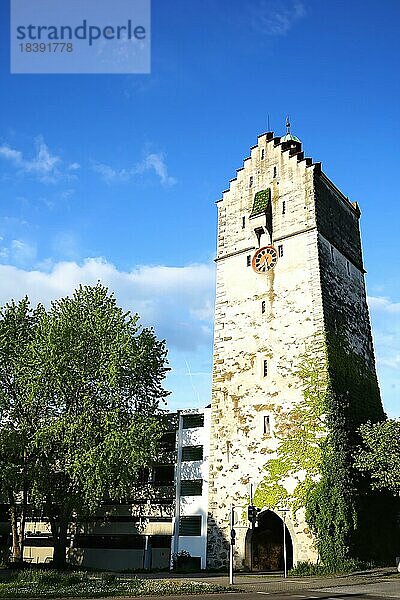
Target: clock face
x,y
264,259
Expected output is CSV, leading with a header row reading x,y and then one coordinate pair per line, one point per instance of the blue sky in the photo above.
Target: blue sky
x,y
115,176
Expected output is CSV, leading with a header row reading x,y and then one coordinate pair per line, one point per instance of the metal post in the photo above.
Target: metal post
x,y
177,477
231,523
147,553
251,532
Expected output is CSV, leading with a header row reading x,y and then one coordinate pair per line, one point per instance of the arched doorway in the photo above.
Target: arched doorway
x,y
264,544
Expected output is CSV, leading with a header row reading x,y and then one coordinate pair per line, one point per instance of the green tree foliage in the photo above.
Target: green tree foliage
x,y
379,454
99,374
22,409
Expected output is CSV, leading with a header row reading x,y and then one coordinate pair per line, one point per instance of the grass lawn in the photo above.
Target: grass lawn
x,y
32,583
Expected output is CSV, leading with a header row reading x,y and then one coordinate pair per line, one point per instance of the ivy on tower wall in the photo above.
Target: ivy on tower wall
x,y
312,465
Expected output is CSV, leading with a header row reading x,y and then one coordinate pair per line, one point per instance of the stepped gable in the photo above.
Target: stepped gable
x,y
291,148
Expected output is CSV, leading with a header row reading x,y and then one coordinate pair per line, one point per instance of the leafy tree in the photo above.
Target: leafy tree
x,y
80,391
379,455
22,408
103,375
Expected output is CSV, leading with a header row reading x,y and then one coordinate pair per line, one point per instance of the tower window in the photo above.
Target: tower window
x,y
332,253
265,368
280,251
262,153
251,181
243,222
267,425
284,207
274,171
263,307
348,267
248,260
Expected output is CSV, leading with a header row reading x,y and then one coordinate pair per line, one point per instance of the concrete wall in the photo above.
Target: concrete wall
x,y
107,558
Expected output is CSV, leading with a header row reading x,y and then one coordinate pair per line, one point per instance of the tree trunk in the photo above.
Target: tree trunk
x,y
59,531
24,509
16,556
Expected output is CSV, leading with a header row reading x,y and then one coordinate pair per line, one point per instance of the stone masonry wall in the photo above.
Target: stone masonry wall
x,y
345,305
245,336
275,317
342,272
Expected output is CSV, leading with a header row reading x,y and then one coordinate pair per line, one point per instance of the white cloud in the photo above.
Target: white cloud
x,y
156,162
45,166
176,300
385,316
8,153
109,174
67,194
44,163
392,363
19,252
381,303
22,252
152,162
276,17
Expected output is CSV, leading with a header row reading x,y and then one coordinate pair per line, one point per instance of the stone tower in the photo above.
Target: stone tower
x,y
289,271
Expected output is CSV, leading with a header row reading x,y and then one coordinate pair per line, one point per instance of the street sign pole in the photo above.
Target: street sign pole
x,y
251,532
232,541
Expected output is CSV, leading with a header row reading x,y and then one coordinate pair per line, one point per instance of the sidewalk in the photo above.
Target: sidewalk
x,y
272,583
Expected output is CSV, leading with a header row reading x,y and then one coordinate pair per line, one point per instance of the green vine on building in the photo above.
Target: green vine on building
x,y
316,438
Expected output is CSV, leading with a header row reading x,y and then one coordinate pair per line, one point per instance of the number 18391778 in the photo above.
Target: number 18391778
x,y
46,47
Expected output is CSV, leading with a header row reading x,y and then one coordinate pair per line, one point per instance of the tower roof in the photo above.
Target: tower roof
x,y
289,137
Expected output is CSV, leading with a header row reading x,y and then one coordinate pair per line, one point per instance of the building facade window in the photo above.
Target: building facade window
x,y
192,453
263,307
168,441
267,425
142,476
121,542
262,153
284,207
190,525
348,267
163,475
248,260
280,251
265,368
251,181
192,421
243,222
191,487
275,172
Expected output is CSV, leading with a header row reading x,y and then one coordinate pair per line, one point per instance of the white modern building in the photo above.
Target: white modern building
x,y
191,484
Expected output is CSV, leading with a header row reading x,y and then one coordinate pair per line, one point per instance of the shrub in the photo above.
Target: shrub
x,y
108,578
181,560
50,577
307,568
